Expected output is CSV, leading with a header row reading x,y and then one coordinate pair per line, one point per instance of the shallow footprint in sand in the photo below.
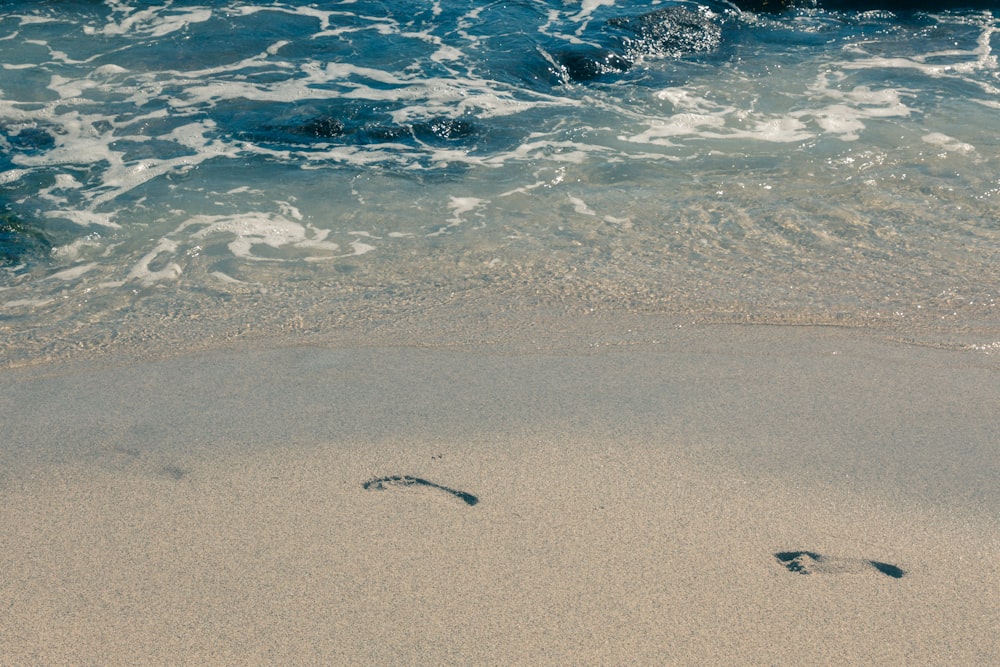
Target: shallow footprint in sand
x,y
810,562
381,483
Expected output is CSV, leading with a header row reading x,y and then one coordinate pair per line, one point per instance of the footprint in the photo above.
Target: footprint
x,y
172,471
809,562
381,483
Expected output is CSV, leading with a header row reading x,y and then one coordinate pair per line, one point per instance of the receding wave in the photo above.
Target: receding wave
x,y
810,164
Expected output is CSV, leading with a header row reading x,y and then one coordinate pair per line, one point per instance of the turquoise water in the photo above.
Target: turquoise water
x,y
220,170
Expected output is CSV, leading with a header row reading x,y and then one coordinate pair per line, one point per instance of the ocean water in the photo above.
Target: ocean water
x,y
181,171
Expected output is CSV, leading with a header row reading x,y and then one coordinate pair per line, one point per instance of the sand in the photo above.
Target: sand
x,y
612,496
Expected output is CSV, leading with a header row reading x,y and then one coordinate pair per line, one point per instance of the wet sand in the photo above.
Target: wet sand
x,y
629,493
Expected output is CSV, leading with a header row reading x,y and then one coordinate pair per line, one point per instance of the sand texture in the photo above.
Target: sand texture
x,y
711,495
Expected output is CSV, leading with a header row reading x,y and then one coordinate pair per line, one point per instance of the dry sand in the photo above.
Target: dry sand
x,y
210,509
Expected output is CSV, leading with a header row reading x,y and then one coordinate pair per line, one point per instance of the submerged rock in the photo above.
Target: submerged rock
x,y
775,6
18,242
589,63
322,127
671,31
430,131
351,128
677,31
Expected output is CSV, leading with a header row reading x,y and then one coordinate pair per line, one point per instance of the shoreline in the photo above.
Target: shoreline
x,y
645,493
467,320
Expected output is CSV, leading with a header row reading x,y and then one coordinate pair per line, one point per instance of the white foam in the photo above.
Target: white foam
x,y
106,71
84,218
569,152
277,46
71,251
360,247
67,182
775,129
154,22
170,271
348,71
74,272
29,19
27,303
446,53
846,116
459,206
588,7
659,132
287,209
687,100
841,114
255,229
837,119
580,206
322,16
962,62
947,143
226,278
12,176
69,88
211,93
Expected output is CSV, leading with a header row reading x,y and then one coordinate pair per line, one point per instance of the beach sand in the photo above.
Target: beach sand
x,y
634,492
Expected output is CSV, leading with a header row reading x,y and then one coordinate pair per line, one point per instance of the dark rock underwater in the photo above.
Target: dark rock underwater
x,y
864,5
19,241
676,31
